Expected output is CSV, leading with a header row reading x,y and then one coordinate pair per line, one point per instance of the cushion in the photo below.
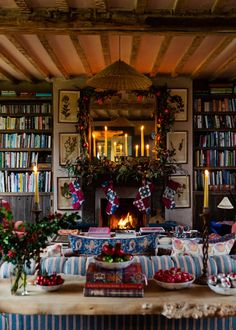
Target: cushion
x,y
145,244
191,247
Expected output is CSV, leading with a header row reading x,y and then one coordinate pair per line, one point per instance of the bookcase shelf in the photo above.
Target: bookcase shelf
x,y
26,132
214,146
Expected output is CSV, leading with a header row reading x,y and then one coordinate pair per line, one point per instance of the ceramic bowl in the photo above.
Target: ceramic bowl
x,y
225,291
174,286
49,288
113,265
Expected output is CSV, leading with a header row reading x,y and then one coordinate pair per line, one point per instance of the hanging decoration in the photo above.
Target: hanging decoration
x,y
142,200
170,191
77,194
113,201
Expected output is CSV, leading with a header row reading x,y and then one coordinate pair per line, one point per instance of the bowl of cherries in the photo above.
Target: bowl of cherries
x,y
50,282
173,278
113,257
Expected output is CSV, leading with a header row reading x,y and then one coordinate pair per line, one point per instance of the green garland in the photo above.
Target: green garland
x,y
134,169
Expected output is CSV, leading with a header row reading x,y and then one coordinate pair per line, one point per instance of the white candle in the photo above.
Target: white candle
x,y
36,185
121,149
136,150
94,145
147,150
142,140
114,149
206,191
105,148
126,145
100,150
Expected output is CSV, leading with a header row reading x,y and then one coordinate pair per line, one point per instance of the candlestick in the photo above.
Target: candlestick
x,y
36,185
121,149
136,150
142,140
147,150
126,145
114,149
94,145
105,147
206,191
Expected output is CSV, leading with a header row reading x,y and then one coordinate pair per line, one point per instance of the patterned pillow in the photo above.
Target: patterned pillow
x,y
145,244
193,248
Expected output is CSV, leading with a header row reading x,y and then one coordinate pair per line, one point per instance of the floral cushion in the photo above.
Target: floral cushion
x,y
145,244
193,248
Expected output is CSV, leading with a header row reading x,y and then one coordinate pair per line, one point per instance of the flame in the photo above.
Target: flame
x,y
125,222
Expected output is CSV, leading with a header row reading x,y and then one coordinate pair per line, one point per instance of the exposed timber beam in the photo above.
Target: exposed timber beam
x,y
106,48
23,6
163,49
135,47
62,5
141,6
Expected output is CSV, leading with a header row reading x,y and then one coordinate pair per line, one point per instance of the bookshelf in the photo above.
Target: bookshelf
x,y
214,145
26,131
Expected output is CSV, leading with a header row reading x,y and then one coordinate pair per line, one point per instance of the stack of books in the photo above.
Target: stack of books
x,y
127,282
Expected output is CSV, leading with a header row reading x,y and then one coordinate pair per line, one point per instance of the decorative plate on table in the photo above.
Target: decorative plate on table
x,y
113,265
175,285
49,288
220,290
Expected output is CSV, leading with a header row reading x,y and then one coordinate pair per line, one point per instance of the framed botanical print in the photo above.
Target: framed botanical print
x,y
182,113
182,196
177,141
69,147
64,196
68,106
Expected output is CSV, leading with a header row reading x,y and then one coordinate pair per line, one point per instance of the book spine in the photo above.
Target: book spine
x,y
113,293
121,286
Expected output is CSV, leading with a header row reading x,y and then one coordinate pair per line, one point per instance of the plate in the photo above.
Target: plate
x,y
113,265
174,286
224,291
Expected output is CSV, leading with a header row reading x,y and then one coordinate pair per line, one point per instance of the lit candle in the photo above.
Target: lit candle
x,y
121,149
142,140
126,144
206,192
36,185
99,150
147,150
105,148
114,149
94,145
136,150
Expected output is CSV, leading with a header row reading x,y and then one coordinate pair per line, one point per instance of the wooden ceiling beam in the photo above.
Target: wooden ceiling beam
x,y
23,6
101,4
14,64
19,44
80,52
53,56
7,75
223,67
187,55
164,46
141,6
106,48
210,58
135,48
84,22
214,6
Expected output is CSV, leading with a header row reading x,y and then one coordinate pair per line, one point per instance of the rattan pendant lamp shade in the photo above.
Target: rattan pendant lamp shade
x,y
119,76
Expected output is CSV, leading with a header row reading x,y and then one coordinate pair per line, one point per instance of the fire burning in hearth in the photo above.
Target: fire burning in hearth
x,y
125,222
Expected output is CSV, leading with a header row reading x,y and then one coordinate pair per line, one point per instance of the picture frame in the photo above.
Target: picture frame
x,y
181,115
68,106
182,196
69,147
178,141
64,196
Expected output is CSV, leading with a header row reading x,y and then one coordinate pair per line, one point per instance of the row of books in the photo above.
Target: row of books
x,y
226,104
215,158
18,159
21,123
216,121
24,140
127,282
24,182
24,93
218,180
216,139
17,109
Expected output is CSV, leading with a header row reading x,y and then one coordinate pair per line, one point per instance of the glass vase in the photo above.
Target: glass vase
x,y
19,281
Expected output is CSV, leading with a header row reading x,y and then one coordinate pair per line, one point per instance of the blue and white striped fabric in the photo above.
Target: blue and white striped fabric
x,y
53,264
77,265
225,264
7,268
116,322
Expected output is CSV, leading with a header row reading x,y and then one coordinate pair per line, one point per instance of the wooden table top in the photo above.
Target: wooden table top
x,y
196,301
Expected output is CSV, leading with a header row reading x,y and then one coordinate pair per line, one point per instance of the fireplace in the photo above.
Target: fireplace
x,y
126,216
